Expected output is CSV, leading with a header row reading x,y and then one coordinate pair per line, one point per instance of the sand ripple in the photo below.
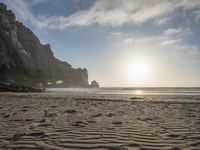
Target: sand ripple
x,y
63,122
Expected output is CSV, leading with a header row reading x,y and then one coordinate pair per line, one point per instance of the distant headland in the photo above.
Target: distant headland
x,y
24,60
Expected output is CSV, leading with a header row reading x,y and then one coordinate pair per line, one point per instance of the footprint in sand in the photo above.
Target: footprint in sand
x,y
48,114
70,111
117,123
39,134
110,115
79,124
97,115
6,115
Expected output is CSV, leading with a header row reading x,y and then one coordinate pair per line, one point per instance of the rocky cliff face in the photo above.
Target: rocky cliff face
x,y
24,59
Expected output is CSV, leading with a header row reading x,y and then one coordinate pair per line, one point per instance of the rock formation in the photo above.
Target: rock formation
x,y
94,84
13,87
23,59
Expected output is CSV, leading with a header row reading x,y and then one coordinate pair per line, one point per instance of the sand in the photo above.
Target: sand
x,y
99,122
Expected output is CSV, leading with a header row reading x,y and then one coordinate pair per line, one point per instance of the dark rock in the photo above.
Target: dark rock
x,y
23,59
94,84
13,87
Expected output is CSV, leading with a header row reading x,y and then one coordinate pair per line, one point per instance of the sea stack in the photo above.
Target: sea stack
x,y
94,84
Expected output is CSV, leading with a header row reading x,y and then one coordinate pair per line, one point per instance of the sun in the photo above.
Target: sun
x,y
138,70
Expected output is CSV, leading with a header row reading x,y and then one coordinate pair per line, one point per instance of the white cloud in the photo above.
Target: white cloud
x,y
129,40
168,42
166,46
171,37
174,36
178,32
36,2
160,40
107,13
172,31
21,9
23,12
162,21
138,40
120,12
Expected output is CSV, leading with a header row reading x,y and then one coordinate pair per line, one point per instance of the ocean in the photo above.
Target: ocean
x,y
132,91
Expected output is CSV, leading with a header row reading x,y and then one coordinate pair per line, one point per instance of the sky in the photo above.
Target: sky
x,y
122,43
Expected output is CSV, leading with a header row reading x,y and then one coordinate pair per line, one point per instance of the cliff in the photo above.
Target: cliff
x,y
23,59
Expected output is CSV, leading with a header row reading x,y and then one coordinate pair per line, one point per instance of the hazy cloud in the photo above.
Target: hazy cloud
x,y
178,31
172,31
21,9
168,42
36,2
107,13
162,21
139,40
169,37
197,15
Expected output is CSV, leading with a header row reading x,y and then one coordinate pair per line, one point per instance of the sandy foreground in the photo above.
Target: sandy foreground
x,y
110,122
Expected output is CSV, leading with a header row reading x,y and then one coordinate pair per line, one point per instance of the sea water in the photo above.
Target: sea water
x,y
128,90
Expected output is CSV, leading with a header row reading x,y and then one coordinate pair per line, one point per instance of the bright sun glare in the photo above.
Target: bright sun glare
x,y
138,71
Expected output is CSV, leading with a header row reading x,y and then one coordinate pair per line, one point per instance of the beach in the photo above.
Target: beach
x,y
60,121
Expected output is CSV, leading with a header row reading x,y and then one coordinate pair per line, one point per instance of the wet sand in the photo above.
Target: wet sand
x,y
99,122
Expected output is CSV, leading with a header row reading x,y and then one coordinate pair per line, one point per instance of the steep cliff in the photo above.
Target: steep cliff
x,y
24,59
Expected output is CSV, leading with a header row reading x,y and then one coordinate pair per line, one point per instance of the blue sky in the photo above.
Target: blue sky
x,y
106,36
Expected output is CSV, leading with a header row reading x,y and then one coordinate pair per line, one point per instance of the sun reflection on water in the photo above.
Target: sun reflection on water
x,y
138,92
